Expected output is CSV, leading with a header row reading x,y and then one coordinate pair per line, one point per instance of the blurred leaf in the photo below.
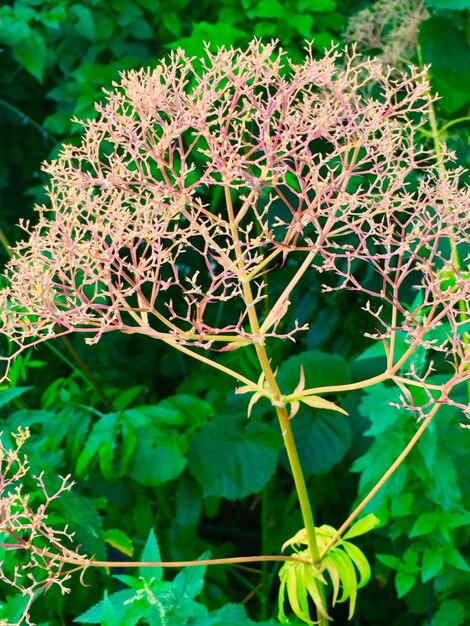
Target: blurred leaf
x,y
446,48
7,395
457,5
31,53
119,540
450,613
85,24
431,565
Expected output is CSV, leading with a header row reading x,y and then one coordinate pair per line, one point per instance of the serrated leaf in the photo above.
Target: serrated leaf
x,y
151,552
362,526
118,600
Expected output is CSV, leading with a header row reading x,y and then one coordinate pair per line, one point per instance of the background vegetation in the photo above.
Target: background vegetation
x,y
105,413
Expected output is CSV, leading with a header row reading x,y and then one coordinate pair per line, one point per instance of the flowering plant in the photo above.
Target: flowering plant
x,y
198,182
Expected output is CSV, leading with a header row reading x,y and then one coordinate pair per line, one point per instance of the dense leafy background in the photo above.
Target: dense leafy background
x,y
221,483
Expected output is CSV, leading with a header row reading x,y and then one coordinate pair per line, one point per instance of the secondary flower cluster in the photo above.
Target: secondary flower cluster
x,y
43,555
197,179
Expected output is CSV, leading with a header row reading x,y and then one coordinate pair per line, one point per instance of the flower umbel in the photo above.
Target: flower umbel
x,y
46,555
191,186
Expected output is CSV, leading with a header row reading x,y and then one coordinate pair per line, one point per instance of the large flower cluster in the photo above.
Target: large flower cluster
x,y
197,179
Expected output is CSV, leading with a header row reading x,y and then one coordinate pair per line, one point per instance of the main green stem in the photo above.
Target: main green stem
x,y
277,402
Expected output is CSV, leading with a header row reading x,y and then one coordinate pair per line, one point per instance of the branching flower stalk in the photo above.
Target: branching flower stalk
x,y
192,187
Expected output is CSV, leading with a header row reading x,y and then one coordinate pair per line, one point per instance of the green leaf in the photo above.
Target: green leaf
x,y
450,613
323,440
362,526
446,48
449,5
158,458
431,565
32,54
269,8
319,6
321,369
216,34
425,524
119,540
234,615
404,581
151,552
233,458
317,402
7,395
127,397
101,443
85,24
390,561
361,563
115,607
453,557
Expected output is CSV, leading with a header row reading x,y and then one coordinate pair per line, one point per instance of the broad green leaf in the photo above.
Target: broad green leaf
x,y
453,556
233,458
362,526
320,369
151,552
322,440
318,6
158,458
80,513
216,34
